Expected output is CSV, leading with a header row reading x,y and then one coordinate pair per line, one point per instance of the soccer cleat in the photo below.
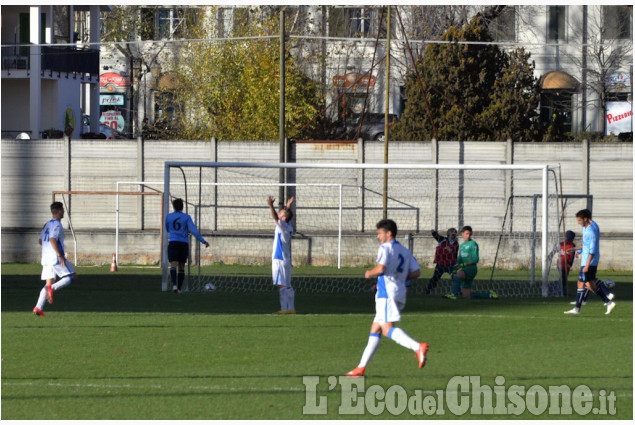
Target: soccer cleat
x,y
358,371
609,307
449,296
421,354
573,303
290,312
38,312
49,293
572,311
493,295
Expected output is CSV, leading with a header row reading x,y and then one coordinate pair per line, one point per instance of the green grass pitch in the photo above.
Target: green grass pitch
x,y
113,346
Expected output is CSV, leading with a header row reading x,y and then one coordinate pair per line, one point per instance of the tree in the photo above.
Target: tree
x,y
130,31
513,109
465,91
229,88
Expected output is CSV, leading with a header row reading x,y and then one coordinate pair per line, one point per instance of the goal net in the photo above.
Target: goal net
x,y
513,210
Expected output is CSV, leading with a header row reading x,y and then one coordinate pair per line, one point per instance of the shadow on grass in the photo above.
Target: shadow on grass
x,y
142,294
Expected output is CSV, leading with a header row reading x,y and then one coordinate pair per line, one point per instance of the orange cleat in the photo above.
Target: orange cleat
x,y
358,371
421,354
38,312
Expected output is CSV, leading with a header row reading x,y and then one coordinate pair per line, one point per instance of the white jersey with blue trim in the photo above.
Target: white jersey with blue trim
x,y
282,242
399,262
52,229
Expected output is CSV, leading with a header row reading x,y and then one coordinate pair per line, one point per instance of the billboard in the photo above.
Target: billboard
x,y
619,117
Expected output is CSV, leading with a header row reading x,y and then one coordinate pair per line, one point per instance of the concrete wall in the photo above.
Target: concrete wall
x,y
31,170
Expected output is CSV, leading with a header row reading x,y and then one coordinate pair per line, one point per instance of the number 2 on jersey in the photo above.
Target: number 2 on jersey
x,y
401,261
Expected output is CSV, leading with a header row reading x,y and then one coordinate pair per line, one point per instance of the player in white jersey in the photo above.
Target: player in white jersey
x,y
54,262
281,255
395,265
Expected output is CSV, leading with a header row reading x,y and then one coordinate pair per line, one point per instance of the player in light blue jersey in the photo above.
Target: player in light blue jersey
x,y
54,262
281,255
179,225
395,265
589,261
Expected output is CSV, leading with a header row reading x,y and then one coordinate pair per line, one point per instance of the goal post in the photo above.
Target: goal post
x,y
343,201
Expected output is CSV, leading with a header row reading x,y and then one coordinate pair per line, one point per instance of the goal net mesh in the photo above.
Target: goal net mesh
x,y
336,210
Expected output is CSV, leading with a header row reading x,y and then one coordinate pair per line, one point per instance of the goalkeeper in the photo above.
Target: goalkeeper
x,y
465,270
444,256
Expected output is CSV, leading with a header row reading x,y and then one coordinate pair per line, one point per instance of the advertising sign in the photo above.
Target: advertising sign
x,y
619,117
113,119
111,99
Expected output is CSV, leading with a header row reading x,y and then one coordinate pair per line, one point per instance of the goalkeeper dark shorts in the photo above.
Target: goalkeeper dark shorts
x,y
588,276
178,251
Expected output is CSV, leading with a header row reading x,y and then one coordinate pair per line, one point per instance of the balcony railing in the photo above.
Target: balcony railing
x,y
54,59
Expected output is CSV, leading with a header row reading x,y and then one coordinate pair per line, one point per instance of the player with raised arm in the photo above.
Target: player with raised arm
x,y
178,225
395,265
589,261
281,255
444,256
54,262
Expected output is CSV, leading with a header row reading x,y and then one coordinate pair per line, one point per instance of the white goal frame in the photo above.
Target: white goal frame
x,y
543,168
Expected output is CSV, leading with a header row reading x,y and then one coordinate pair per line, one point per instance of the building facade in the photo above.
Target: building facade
x,y
582,56
50,69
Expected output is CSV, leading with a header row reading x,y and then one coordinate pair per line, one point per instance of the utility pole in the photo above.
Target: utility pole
x,y
386,122
281,121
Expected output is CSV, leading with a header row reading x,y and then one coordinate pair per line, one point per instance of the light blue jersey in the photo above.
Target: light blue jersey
x,y
590,244
177,224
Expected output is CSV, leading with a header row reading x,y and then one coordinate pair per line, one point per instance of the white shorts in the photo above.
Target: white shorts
x,y
281,273
51,272
388,310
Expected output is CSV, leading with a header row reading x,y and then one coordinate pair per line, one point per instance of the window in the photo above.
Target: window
x,y
618,22
556,108
557,22
504,26
351,21
170,23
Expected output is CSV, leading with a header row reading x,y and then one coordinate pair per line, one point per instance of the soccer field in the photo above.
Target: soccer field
x,y
113,346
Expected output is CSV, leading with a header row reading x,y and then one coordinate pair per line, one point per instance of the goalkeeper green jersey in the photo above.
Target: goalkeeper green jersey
x,y
468,252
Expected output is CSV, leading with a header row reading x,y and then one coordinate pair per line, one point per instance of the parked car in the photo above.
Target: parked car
x,y
372,127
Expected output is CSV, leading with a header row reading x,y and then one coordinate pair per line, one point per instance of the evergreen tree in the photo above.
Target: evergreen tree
x,y
473,91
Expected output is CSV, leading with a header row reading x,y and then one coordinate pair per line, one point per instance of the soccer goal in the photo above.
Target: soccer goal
x,y
338,205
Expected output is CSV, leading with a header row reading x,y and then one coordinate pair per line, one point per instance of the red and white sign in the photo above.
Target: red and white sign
x,y
354,79
619,117
112,78
113,119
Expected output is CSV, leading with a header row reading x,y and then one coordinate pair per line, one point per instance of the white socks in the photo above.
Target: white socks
x,y
371,347
402,338
65,281
42,299
287,298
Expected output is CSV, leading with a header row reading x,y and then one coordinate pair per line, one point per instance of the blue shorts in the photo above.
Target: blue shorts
x,y
588,276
